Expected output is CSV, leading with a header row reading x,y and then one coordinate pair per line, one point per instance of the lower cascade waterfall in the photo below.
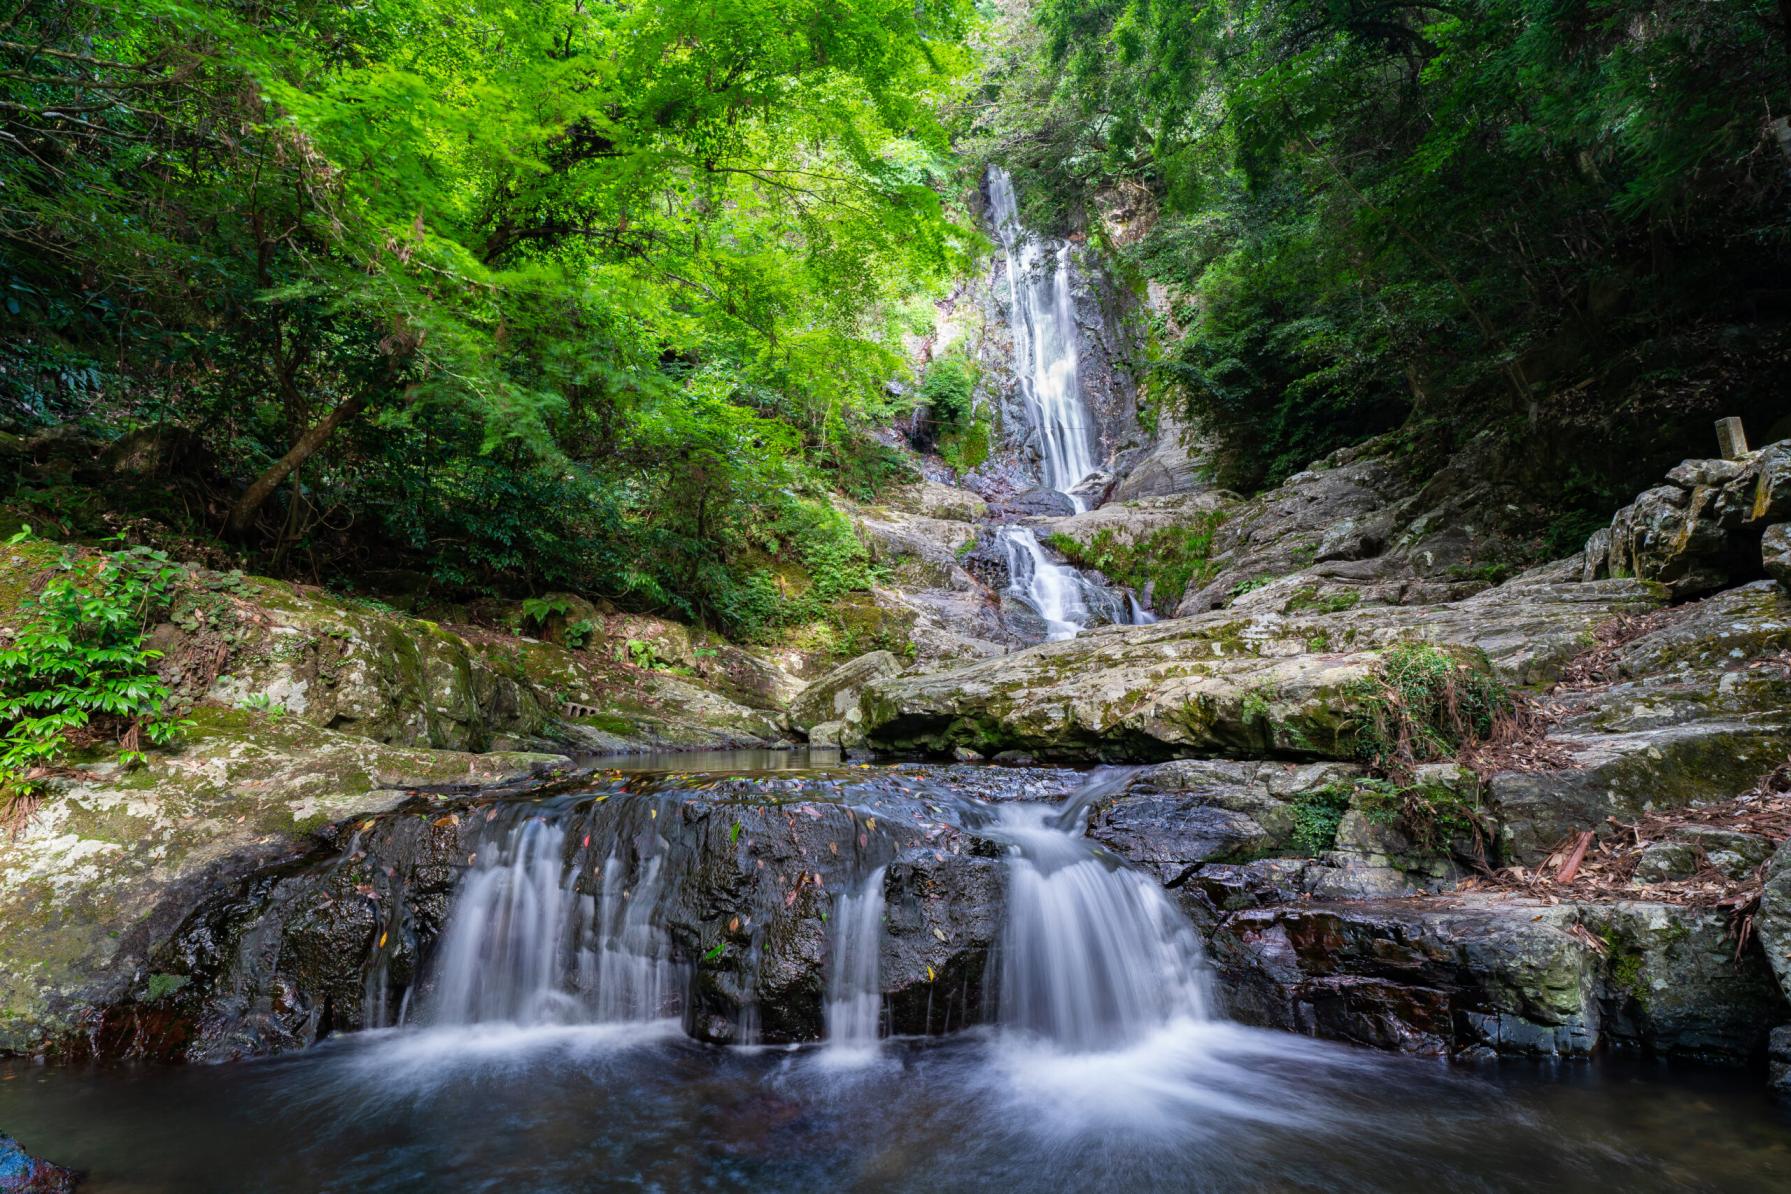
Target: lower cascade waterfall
x,y
523,946
854,1002
1093,956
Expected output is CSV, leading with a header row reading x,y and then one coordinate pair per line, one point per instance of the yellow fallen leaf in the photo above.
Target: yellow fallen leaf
x,y
929,974
382,941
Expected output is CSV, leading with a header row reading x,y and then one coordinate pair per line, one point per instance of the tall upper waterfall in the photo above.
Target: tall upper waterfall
x,y
1043,315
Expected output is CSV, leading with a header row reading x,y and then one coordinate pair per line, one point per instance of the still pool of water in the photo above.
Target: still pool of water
x,y
1199,1106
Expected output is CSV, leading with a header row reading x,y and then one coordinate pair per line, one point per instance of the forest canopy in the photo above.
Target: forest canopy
x,y
568,293
1570,215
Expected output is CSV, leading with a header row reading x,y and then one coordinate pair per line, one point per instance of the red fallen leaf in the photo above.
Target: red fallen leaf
x,y
587,844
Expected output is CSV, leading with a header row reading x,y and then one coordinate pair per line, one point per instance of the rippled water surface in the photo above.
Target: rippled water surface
x,y
1199,1106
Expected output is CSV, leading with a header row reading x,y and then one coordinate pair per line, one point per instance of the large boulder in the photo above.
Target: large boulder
x,y
834,697
1704,527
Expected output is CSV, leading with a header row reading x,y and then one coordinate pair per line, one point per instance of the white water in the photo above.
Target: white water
x,y
854,995
1094,957
1043,319
523,946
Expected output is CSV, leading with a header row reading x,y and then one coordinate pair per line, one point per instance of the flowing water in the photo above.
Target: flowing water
x,y
1043,322
1065,599
545,1053
854,999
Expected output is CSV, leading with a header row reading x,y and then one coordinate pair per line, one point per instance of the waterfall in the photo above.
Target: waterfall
x,y
523,946
1042,313
854,999
1063,597
1093,956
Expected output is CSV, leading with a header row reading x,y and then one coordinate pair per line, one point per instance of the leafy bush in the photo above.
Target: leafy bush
x,y
1317,814
947,388
1423,704
79,664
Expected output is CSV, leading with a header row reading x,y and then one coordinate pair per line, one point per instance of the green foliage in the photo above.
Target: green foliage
x,y
80,664
539,609
1558,215
1251,585
1422,704
581,297
1163,563
966,447
263,704
1307,600
1432,815
947,388
1317,814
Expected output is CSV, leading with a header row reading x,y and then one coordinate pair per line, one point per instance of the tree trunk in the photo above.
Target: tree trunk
x,y
248,506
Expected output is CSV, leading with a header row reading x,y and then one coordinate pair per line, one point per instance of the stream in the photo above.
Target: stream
x,y
546,1046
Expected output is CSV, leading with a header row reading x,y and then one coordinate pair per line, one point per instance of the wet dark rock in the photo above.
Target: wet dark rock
x,y
328,943
1778,1061
22,1173
943,919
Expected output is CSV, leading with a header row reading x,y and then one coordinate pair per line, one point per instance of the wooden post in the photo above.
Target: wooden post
x,y
1731,440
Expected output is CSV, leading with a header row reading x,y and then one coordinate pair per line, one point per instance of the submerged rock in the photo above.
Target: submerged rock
x,y
22,1173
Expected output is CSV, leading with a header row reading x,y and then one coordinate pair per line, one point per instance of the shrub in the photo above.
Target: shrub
x,y
1422,704
80,664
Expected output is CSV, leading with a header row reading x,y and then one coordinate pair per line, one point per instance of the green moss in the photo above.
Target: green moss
x,y
163,985
1308,600
609,723
1166,561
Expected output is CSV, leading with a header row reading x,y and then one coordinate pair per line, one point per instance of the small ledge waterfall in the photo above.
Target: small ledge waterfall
x,y
523,946
1063,597
854,1000
1093,956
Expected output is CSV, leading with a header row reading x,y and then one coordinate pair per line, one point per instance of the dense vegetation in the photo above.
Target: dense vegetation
x,y
1566,221
505,297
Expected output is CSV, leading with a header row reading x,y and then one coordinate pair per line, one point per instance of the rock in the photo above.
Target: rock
x,y
1597,557
1778,1058
834,697
22,1173
1674,984
827,733
943,918
1700,531
1354,538
1037,503
936,501
1773,924
1175,463
1223,683
1695,712
1443,977
1475,975
1775,553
